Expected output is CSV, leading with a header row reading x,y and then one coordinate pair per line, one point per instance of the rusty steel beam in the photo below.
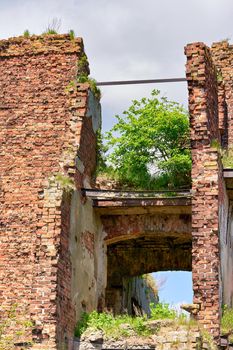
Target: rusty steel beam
x,y
141,81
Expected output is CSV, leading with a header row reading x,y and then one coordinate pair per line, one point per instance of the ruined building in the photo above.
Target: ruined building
x,y
65,250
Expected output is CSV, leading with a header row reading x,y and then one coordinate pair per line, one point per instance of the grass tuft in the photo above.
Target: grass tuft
x,y
227,321
53,27
125,325
72,34
26,33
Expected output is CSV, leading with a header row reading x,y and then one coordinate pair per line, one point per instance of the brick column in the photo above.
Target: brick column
x,y
47,150
222,53
206,174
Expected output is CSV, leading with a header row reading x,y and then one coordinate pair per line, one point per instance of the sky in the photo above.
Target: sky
x,y
174,287
129,39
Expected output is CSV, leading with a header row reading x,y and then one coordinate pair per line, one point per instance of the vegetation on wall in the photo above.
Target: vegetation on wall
x,y
125,325
227,322
82,65
226,155
14,328
53,27
110,325
72,34
149,147
114,326
162,311
26,33
84,78
227,158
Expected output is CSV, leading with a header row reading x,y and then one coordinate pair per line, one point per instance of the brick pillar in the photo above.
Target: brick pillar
x,y
47,150
222,54
206,174
222,115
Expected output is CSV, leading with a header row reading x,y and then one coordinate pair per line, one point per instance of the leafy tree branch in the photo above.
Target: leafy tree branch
x,y
148,147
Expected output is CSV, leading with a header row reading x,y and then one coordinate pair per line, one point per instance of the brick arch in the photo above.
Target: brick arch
x,y
144,243
124,227
145,255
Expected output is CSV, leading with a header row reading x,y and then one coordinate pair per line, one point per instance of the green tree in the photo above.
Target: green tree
x,y
149,145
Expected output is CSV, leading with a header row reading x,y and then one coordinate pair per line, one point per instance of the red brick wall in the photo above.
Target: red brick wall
x,y
41,126
222,115
222,53
203,108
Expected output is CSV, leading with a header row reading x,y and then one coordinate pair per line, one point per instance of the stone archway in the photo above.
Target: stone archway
x,y
144,237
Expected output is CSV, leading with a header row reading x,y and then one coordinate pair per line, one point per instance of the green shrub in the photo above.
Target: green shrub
x,y
227,320
115,327
162,311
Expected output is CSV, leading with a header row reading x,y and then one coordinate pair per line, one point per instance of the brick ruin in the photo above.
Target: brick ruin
x,y
63,252
209,76
48,138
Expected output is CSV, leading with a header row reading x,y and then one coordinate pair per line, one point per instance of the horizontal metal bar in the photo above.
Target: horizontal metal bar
x,y
98,190
121,199
228,173
143,81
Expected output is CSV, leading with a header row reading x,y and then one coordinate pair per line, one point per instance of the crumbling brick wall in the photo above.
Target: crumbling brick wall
x,y
209,75
206,179
44,118
222,53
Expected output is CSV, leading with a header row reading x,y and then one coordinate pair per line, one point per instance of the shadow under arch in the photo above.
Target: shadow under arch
x,y
142,255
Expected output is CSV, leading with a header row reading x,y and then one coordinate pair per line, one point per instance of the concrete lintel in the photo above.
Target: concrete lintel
x,y
143,206
228,173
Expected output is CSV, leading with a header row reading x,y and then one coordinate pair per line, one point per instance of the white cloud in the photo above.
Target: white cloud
x,y
127,39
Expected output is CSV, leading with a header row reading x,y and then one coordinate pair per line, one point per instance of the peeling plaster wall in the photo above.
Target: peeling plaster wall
x,y
137,296
222,54
226,248
132,295
88,256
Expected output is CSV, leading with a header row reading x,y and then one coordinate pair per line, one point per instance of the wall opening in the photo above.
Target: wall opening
x,y
174,287
129,260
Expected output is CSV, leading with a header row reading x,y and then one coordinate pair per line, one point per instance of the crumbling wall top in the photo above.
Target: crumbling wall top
x,y
222,53
40,44
224,45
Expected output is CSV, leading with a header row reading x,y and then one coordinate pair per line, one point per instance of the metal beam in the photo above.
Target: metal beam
x,y
144,81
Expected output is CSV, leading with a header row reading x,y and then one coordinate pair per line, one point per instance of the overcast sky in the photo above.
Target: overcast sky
x,y
128,39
